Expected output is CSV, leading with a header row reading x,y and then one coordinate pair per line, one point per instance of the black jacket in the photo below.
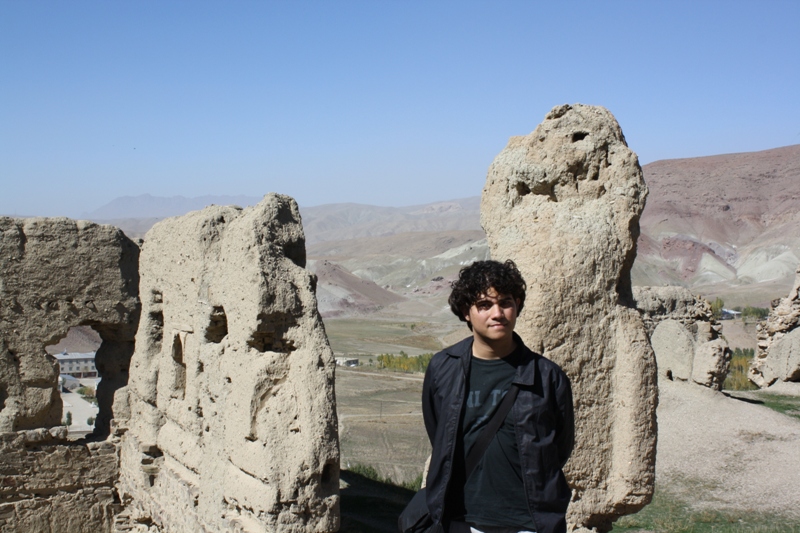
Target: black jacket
x,y
543,420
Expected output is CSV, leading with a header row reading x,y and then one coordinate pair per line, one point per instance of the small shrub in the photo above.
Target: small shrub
x,y
369,472
85,391
737,373
754,313
68,419
90,421
414,484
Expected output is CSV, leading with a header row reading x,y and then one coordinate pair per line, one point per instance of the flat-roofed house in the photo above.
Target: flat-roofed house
x,y
79,365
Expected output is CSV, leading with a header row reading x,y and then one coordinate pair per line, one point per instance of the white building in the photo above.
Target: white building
x,y
79,365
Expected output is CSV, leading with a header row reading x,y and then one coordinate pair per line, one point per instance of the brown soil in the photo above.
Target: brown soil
x,y
727,451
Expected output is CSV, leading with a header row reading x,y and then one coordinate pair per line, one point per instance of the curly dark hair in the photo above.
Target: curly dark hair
x,y
477,278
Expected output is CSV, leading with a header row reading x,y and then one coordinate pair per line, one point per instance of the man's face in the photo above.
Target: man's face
x,y
493,316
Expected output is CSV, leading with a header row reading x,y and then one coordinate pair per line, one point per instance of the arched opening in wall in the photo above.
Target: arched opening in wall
x,y
178,368
78,378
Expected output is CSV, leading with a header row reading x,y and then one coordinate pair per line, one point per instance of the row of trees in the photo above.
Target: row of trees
x,y
403,362
748,312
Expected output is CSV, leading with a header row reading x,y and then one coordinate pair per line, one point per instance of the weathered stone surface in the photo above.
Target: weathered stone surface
x,y
55,274
778,354
684,334
711,362
674,348
673,303
232,421
564,204
51,485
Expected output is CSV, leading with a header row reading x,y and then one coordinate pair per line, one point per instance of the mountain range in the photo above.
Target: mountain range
x,y
723,225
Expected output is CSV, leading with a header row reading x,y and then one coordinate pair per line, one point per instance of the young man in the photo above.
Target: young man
x,y
518,484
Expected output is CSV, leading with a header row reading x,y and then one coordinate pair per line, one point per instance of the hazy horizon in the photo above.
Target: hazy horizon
x,y
379,103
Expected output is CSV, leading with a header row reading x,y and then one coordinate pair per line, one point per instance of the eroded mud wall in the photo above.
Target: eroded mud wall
x,y
778,354
685,336
564,203
230,419
55,274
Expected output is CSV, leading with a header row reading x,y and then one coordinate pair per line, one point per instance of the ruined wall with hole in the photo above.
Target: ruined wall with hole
x,y
684,335
55,274
778,355
564,203
230,417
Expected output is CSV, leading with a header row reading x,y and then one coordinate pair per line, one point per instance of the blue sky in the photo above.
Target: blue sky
x,y
379,102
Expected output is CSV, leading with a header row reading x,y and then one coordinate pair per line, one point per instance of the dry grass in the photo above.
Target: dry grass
x,y
380,422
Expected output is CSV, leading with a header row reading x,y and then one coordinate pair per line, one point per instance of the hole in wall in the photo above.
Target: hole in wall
x,y
270,333
217,327
78,377
156,327
579,136
328,472
178,368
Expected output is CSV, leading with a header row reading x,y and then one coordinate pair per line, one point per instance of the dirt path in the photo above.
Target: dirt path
x,y
725,451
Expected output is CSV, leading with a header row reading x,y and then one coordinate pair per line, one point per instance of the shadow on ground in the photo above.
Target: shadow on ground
x,y
369,506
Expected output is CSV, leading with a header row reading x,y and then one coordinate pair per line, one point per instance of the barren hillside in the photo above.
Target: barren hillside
x,y
723,225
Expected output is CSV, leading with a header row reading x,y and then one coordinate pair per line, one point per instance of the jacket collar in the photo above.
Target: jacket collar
x,y
526,371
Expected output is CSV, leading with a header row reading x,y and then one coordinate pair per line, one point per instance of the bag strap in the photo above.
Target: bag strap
x,y
490,430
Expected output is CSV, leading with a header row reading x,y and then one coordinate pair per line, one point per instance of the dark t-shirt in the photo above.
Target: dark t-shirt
x,y
494,494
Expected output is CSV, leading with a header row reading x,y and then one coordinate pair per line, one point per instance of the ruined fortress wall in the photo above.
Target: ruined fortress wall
x,y
230,420
51,485
55,274
684,335
564,203
778,354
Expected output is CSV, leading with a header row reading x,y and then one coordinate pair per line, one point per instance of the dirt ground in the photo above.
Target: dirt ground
x,y
380,422
716,450
728,450
739,334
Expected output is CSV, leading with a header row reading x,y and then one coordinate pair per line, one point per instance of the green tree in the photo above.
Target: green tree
x,y
68,419
750,313
716,307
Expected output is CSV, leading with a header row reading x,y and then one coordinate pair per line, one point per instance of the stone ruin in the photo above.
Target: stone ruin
x,y
684,335
55,274
778,355
227,422
564,203
230,406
